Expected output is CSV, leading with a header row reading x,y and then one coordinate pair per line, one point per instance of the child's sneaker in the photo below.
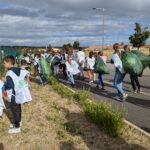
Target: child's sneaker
x,y
91,82
14,130
135,91
12,125
103,89
139,91
97,86
124,97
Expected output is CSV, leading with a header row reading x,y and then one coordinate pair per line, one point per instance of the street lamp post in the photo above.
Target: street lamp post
x,y
103,37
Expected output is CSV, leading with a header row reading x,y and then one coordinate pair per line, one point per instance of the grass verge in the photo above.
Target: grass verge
x,y
102,114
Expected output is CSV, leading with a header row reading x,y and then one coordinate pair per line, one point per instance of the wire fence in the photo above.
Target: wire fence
x,y
4,51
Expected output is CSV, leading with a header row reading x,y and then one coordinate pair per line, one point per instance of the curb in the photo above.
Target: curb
x,y
125,121
137,128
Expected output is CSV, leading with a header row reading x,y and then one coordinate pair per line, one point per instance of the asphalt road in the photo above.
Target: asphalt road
x,y
136,105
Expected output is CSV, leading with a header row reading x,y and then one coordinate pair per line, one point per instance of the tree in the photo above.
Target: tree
x,y
49,48
67,46
122,43
76,45
140,36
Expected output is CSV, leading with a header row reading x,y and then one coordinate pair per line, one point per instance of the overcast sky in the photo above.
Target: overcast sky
x,y
43,22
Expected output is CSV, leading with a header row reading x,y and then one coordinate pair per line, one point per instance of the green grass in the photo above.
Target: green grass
x,y
102,114
105,116
82,96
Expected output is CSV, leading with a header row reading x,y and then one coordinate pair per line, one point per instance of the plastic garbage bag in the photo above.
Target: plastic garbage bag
x,y
45,67
101,67
145,59
132,64
55,61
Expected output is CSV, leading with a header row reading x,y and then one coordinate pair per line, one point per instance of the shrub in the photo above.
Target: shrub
x,y
65,92
52,80
82,96
105,116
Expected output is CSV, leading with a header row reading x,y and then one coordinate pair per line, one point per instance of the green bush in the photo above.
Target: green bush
x,y
52,80
105,116
81,96
65,92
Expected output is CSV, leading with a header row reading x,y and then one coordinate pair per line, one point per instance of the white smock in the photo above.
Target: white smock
x,y
2,105
27,95
118,63
72,68
19,85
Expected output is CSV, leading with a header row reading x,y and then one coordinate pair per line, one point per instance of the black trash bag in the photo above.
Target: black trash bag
x,y
145,59
132,64
55,61
101,67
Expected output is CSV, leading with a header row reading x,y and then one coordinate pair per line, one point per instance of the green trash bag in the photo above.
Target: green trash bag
x,y
101,67
132,64
48,59
145,59
45,68
55,61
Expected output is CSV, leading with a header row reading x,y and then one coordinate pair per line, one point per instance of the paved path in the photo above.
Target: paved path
x,y
137,105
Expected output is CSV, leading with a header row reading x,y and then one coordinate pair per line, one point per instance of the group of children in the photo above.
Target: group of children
x,y
78,64
16,87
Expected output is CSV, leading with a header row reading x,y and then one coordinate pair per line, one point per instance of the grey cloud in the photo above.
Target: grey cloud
x,y
38,22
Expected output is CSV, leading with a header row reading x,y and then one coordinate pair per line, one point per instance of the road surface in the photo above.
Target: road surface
x,y
137,105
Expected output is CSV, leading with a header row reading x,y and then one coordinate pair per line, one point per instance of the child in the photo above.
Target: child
x,y
81,62
2,105
119,73
100,76
36,61
72,70
134,79
42,78
90,61
14,95
25,75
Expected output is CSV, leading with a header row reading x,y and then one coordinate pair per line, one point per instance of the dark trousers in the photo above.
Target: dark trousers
x,y
43,78
16,112
135,82
35,70
100,80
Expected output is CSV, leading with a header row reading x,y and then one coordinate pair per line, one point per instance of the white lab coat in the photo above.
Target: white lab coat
x,y
27,95
19,85
90,63
72,68
118,63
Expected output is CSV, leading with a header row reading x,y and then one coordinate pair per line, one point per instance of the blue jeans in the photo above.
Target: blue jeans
x,y
71,78
100,80
118,82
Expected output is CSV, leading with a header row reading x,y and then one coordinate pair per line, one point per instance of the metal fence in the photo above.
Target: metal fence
x,y
4,51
